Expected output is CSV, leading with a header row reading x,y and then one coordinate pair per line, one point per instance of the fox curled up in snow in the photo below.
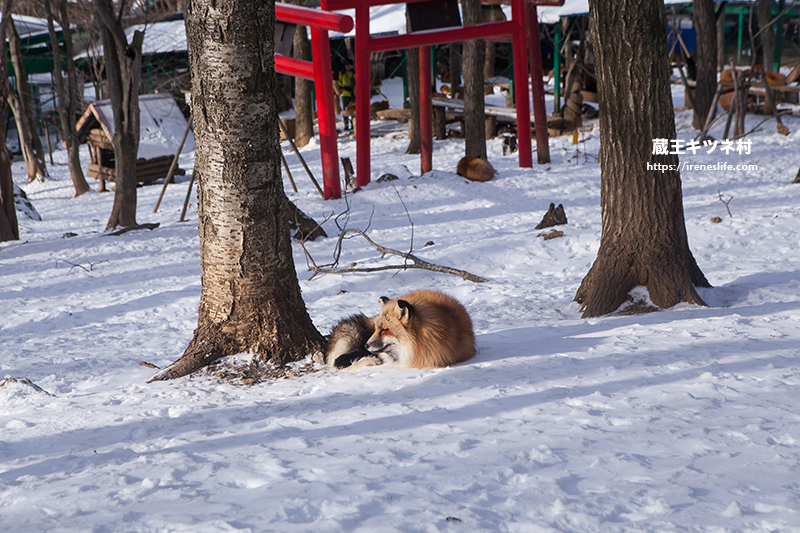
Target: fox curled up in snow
x,y
423,329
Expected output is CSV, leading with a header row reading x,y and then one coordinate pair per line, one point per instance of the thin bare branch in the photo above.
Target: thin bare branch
x,y
416,262
726,203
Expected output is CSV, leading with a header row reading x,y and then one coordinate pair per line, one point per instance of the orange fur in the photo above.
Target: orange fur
x,y
423,329
475,169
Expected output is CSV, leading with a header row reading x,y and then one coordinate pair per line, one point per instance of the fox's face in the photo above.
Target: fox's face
x,y
391,336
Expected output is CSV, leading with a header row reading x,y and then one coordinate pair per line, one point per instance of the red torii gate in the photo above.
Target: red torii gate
x,y
516,29
319,71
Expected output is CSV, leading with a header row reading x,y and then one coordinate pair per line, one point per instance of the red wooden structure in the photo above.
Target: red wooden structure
x,y
319,71
515,30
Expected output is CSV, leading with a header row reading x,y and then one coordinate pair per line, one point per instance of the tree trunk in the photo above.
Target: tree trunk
x,y
9,228
412,76
491,13
412,81
766,35
303,106
643,238
455,70
29,140
123,71
767,38
472,64
706,60
720,15
250,299
67,95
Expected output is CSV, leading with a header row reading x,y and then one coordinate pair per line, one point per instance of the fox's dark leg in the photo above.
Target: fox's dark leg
x,y
345,360
347,343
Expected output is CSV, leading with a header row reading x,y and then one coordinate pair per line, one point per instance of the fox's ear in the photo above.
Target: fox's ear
x,y
383,300
405,310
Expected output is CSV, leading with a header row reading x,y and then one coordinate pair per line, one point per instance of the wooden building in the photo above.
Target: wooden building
x,y
161,126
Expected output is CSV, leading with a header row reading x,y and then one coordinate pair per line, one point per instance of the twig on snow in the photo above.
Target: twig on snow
x,y
726,203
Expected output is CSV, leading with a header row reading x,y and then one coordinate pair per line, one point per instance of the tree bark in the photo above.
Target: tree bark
x,y
472,64
412,79
67,94
250,299
706,60
9,228
29,140
455,70
720,15
766,35
303,106
123,71
643,238
767,38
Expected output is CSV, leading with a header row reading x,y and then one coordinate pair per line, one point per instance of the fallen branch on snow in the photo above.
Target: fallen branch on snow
x,y
416,262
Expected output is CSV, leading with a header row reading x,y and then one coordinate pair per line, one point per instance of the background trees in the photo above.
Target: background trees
x,y
123,72
250,297
706,60
643,238
472,66
9,230
67,92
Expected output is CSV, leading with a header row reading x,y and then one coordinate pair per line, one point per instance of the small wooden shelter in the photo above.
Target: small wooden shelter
x,y
161,126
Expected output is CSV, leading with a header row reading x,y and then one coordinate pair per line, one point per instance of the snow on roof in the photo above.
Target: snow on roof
x,y
161,124
392,18
161,37
550,15
30,25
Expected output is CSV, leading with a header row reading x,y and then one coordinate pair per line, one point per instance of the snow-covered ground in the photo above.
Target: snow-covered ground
x,y
682,420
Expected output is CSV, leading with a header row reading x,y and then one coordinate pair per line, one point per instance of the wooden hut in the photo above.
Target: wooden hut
x,y
161,126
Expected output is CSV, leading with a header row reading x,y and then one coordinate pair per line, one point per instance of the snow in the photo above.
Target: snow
x,y
681,420
161,125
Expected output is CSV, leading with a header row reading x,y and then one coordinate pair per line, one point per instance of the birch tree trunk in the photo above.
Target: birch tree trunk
x,y
643,239
250,299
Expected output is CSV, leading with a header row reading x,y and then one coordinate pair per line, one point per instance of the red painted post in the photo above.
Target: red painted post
x,y
323,85
518,14
425,110
294,67
363,89
306,16
537,91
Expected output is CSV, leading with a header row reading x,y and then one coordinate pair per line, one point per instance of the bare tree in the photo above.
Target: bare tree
x,y
22,107
9,229
766,34
705,24
250,297
67,99
643,239
123,63
472,65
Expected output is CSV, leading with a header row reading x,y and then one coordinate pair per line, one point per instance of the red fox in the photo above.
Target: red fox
x,y
475,169
423,329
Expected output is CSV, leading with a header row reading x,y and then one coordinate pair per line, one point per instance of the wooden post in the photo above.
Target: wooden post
x,y
174,166
439,123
